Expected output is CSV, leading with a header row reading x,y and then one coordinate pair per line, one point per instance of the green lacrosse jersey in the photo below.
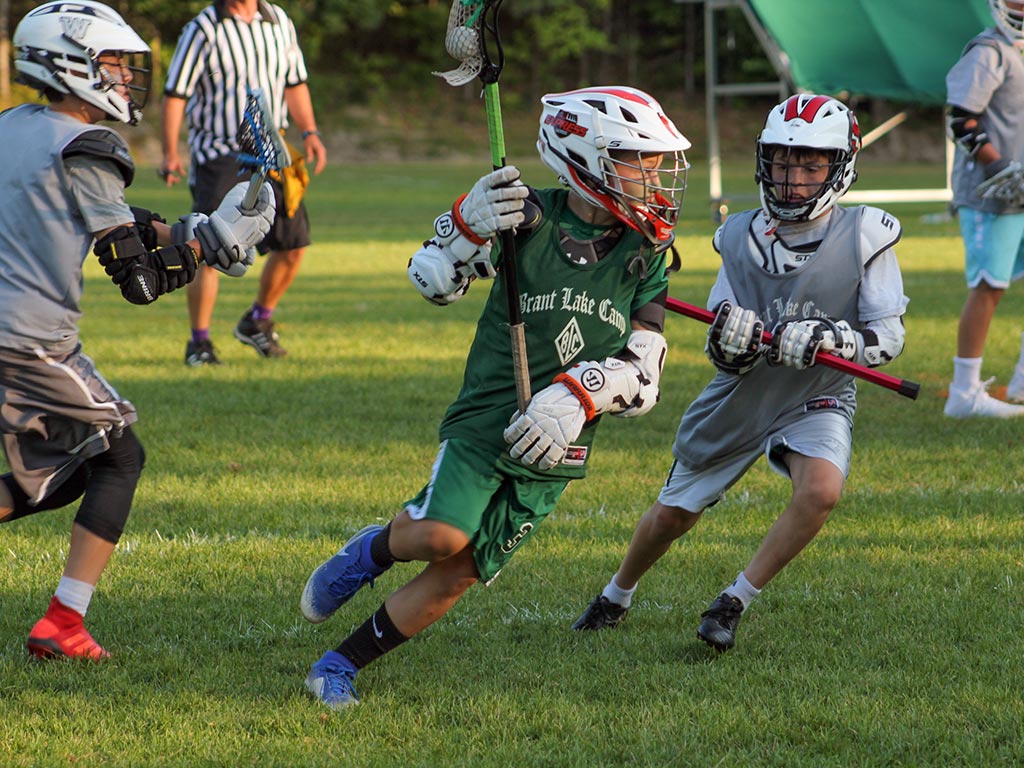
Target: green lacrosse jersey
x,y
571,312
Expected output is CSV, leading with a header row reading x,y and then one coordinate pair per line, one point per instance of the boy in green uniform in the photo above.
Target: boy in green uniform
x,y
592,280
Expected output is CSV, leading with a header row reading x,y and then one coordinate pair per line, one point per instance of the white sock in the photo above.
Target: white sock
x,y
616,594
743,590
74,594
966,373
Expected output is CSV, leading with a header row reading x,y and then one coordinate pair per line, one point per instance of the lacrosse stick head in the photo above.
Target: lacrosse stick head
x,y
260,146
471,39
84,48
617,149
802,124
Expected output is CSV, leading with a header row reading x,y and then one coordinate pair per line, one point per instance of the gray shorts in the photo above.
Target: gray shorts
x,y
57,411
821,435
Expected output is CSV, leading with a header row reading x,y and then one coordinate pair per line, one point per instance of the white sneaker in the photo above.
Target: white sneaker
x,y
1015,389
965,404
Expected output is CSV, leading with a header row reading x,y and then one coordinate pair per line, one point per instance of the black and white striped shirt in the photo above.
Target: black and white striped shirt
x,y
218,59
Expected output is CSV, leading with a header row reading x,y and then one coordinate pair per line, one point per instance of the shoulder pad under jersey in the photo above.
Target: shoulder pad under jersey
x,y
879,231
105,144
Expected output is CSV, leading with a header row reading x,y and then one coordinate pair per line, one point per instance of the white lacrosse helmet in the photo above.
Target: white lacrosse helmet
x,y
807,121
579,132
58,46
1009,18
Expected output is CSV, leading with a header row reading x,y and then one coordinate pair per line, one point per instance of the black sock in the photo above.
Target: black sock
x,y
373,639
380,549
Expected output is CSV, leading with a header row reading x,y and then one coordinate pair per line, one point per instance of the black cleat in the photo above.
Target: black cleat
x,y
602,613
260,335
719,622
200,353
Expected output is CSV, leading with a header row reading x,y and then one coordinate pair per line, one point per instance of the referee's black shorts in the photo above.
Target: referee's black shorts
x,y
209,183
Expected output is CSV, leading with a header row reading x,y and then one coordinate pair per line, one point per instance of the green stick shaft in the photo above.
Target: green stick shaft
x,y
495,129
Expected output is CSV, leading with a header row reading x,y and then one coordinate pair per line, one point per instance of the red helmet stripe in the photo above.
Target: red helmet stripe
x,y
809,110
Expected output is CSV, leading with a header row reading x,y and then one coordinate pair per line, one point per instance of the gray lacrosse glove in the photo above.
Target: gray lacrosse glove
x,y
1005,183
797,343
230,233
494,203
185,228
734,338
542,435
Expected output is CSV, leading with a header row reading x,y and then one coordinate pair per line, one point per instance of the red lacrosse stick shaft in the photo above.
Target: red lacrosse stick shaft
x,y
901,386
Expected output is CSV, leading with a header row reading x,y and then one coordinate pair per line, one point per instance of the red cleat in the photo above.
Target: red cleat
x,y
60,634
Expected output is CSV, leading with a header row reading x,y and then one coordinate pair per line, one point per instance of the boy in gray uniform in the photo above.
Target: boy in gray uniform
x,y
825,278
985,93
66,432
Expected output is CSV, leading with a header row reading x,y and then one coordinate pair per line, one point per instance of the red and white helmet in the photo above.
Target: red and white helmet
x,y
58,46
807,121
1009,17
580,129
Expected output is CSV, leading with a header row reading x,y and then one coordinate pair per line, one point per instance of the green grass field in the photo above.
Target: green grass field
x,y
894,640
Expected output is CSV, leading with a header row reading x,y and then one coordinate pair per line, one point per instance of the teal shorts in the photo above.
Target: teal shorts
x,y
994,247
468,490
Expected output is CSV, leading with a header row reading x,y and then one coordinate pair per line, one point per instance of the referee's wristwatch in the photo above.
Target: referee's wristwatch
x,y
307,134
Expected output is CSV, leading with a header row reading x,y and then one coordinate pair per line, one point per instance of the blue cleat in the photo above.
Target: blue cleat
x,y
332,584
332,681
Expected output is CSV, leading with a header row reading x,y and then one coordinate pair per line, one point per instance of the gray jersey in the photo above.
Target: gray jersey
x,y
734,413
47,225
987,80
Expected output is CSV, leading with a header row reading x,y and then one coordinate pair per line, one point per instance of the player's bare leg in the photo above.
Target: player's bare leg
x,y
817,485
659,527
202,296
278,274
431,594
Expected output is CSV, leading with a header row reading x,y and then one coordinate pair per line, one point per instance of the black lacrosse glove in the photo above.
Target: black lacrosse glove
x,y
144,226
144,275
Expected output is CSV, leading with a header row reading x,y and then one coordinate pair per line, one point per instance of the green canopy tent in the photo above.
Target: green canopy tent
x,y
893,49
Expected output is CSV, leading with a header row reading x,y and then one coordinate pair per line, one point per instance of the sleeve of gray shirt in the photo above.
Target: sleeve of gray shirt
x,y
98,188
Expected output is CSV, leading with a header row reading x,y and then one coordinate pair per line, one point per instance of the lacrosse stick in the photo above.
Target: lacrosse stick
x,y
260,146
470,23
901,386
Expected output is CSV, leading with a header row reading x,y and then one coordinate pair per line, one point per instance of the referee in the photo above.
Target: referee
x,y
231,47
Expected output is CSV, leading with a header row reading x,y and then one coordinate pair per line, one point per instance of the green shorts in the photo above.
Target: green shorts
x,y
468,489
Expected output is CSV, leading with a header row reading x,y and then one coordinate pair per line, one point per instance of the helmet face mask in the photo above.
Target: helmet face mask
x,y
1009,18
806,157
617,150
85,49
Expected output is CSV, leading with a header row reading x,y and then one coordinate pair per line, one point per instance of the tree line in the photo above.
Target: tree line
x,y
370,51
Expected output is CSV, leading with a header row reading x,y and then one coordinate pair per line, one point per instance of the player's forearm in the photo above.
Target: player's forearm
x,y
170,125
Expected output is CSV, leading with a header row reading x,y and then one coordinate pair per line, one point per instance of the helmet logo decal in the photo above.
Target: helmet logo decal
x,y
565,123
809,110
569,341
75,28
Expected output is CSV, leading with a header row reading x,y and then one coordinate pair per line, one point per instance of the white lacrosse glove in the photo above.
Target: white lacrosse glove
x,y
797,343
435,276
734,338
553,420
230,232
1005,184
494,203
185,228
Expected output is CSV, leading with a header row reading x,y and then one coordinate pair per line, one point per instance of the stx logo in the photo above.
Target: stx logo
x,y
565,123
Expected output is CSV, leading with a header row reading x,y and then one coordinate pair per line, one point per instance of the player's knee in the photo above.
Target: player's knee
x,y
114,476
671,522
439,541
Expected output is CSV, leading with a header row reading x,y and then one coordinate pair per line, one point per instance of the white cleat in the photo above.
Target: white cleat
x,y
977,402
